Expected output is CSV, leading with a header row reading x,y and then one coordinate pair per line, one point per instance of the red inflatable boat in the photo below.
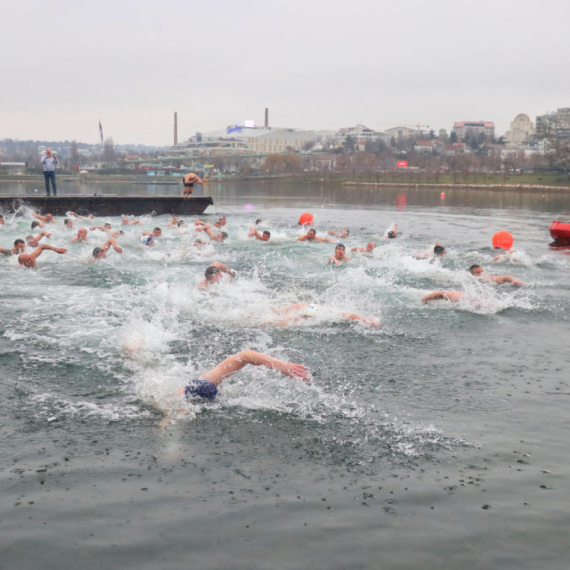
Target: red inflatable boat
x,y
560,230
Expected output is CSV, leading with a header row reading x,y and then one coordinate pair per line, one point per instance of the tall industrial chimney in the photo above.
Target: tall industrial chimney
x,y
266,117
175,128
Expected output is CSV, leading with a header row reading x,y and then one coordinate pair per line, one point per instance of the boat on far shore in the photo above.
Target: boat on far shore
x,y
107,205
560,230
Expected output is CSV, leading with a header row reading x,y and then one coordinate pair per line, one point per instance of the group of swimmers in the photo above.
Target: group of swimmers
x,y
206,385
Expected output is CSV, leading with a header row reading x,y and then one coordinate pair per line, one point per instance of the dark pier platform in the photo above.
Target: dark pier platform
x,y
110,205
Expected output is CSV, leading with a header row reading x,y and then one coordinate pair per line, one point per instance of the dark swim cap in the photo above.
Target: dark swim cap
x,y
391,235
97,251
212,270
439,249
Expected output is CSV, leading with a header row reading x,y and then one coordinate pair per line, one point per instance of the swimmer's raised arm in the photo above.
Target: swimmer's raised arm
x,y
452,296
89,217
29,259
366,320
224,268
504,279
112,242
237,361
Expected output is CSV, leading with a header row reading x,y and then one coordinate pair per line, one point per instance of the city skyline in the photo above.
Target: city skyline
x,y
317,66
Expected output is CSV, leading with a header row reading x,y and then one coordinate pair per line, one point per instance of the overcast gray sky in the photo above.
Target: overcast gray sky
x,y
317,64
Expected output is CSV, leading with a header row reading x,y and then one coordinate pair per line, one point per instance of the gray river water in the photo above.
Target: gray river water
x,y
436,441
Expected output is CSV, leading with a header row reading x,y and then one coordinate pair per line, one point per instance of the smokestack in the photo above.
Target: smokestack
x,y
266,117
175,128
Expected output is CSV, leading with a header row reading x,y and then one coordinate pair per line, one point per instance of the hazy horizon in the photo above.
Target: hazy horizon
x,y
315,65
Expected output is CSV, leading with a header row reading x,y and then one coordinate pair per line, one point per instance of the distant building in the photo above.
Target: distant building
x,y
520,132
359,133
554,124
469,129
403,133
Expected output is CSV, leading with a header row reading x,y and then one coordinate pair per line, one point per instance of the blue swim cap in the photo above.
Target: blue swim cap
x,y
201,388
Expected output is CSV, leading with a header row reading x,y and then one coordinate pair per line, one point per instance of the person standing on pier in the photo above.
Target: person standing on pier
x,y
189,180
49,161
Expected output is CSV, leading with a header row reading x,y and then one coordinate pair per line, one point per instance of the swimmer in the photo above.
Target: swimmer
x,y
477,271
1,220
68,224
29,259
342,234
173,222
89,217
452,296
34,241
105,228
339,255
261,237
47,219
300,311
213,236
101,252
503,255
157,232
19,247
188,181
213,274
198,243
219,224
205,387
438,251
311,235
392,233
37,224
80,237
126,222
368,249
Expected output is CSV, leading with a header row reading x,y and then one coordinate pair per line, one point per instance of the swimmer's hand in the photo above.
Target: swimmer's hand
x,y
292,370
60,250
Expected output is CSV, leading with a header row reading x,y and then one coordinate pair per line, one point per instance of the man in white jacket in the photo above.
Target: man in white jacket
x,y
49,161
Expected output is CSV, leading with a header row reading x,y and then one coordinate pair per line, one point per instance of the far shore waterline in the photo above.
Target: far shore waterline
x,y
433,185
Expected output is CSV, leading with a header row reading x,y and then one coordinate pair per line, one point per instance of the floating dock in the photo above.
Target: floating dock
x,y
107,205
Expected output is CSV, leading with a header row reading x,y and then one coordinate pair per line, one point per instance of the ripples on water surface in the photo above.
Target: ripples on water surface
x,y
448,421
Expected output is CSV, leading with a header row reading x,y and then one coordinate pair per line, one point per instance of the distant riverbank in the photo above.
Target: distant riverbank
x,y
412,179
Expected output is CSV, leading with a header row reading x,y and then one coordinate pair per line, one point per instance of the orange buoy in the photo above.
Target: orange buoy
x,y
306,219
442,194
503,240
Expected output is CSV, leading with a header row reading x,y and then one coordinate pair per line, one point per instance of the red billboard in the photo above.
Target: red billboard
x,y
402,163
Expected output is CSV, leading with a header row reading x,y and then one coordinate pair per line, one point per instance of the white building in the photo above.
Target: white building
x,y
520,132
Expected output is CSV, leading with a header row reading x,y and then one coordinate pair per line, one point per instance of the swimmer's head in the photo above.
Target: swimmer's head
x,y
157,232
107,226
181,223
439,250
67,222
391,235
222,221
258,221
212,274
265,236
224,236
99,253
476,270
344,233
370,246
340,246
82,233
310,311
312,233
19,245
35,225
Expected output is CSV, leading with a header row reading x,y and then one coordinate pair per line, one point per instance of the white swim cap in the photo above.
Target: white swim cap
x,y
311,310
146,240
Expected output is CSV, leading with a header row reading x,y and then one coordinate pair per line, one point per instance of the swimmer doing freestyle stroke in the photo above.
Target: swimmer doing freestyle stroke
x,y
205,387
